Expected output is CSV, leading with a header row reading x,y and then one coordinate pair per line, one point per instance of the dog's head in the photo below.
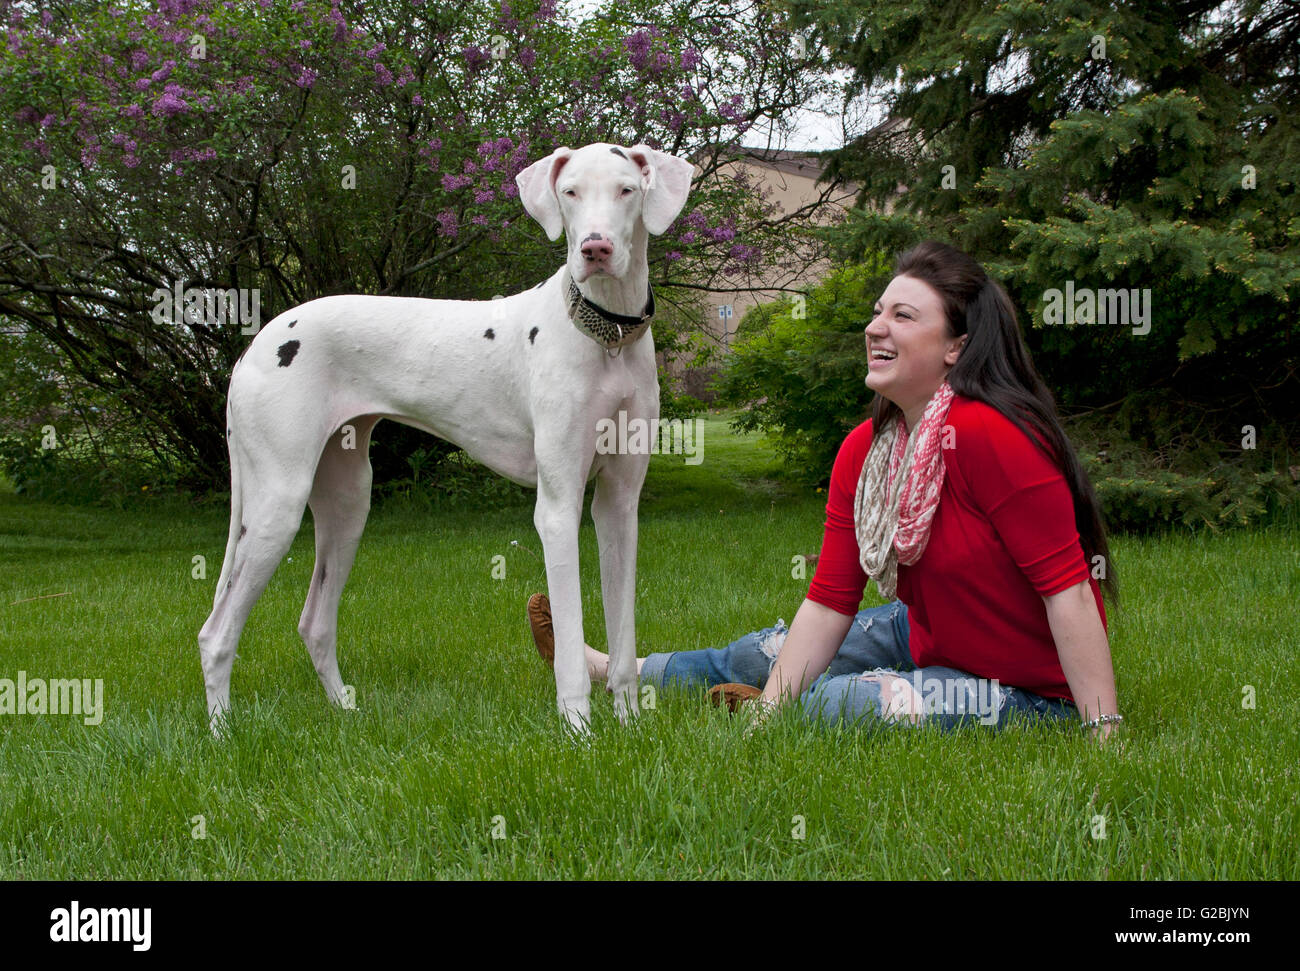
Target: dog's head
x,y
600,196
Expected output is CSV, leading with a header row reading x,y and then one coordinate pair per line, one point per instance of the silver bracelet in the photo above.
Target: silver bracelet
x,y
1103,720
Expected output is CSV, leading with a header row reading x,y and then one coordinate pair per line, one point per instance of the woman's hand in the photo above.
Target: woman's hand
x,y
815,634
757,712
1102,732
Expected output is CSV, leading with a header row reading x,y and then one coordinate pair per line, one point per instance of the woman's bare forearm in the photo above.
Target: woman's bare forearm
x,y
1083,649
816,633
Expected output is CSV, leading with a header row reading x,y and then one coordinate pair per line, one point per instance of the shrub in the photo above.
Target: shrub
x,y
799,373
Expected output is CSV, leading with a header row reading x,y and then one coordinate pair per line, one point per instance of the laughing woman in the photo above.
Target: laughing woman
x,y
962,498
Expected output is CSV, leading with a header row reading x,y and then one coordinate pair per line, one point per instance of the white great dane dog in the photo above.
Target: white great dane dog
x,y
519,383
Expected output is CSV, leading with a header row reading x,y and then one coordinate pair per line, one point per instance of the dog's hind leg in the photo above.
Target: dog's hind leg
x,y
272,513
340,502
236,515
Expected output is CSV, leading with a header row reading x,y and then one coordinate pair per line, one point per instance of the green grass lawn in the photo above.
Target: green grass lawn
x,y
457,741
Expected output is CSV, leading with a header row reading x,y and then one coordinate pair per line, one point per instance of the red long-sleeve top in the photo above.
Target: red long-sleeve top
x,y
1002,539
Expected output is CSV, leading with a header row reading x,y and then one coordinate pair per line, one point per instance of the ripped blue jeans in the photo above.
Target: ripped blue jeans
x,y
871,678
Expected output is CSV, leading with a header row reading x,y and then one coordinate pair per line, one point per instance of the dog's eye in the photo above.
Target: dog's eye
x,y
626,190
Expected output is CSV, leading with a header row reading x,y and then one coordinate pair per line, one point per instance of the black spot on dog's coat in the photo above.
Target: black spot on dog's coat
x,y
532,335
287,351
618,152
242,530
322,573
489,335
292,322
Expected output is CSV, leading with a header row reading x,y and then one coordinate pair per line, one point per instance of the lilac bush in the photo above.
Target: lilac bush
x,y
321,146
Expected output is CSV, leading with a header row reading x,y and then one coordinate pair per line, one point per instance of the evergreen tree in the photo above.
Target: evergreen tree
x,y
1148,146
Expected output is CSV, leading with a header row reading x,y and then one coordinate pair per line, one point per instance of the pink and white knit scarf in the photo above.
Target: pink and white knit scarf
x,y
898,492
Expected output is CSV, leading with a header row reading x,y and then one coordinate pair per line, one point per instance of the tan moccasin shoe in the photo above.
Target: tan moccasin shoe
x,y
539,620
733,695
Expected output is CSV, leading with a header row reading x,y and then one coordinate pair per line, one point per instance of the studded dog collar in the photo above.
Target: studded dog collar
x,y
610,330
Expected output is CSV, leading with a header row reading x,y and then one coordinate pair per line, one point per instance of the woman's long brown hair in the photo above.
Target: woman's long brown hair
x,y
994,367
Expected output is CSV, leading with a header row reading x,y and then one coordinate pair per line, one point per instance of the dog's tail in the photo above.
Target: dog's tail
x,y
236,508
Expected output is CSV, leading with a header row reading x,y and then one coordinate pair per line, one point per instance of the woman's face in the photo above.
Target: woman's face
x,y
909,351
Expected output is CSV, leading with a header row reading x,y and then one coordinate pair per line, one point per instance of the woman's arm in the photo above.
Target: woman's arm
x,y
1084,651
817,630
815,634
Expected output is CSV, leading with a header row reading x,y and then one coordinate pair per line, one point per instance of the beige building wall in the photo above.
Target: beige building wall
x,y
792,179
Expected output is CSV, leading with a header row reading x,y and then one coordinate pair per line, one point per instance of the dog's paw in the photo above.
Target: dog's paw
x,y
626,708
577,718
219,726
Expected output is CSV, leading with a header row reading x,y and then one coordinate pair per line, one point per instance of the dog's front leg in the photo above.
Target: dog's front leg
x,y
613,509
556,516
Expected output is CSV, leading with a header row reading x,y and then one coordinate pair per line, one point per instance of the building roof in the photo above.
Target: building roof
x,y
807,164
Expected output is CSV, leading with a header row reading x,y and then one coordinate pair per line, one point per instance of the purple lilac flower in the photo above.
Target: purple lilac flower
x,y
476,57
170,103
637,44
173,9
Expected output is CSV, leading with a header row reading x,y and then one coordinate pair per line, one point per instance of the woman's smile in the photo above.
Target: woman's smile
x,y
878,357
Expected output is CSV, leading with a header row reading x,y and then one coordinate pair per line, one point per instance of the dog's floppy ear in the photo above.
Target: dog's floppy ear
x,y
537,191
667,181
